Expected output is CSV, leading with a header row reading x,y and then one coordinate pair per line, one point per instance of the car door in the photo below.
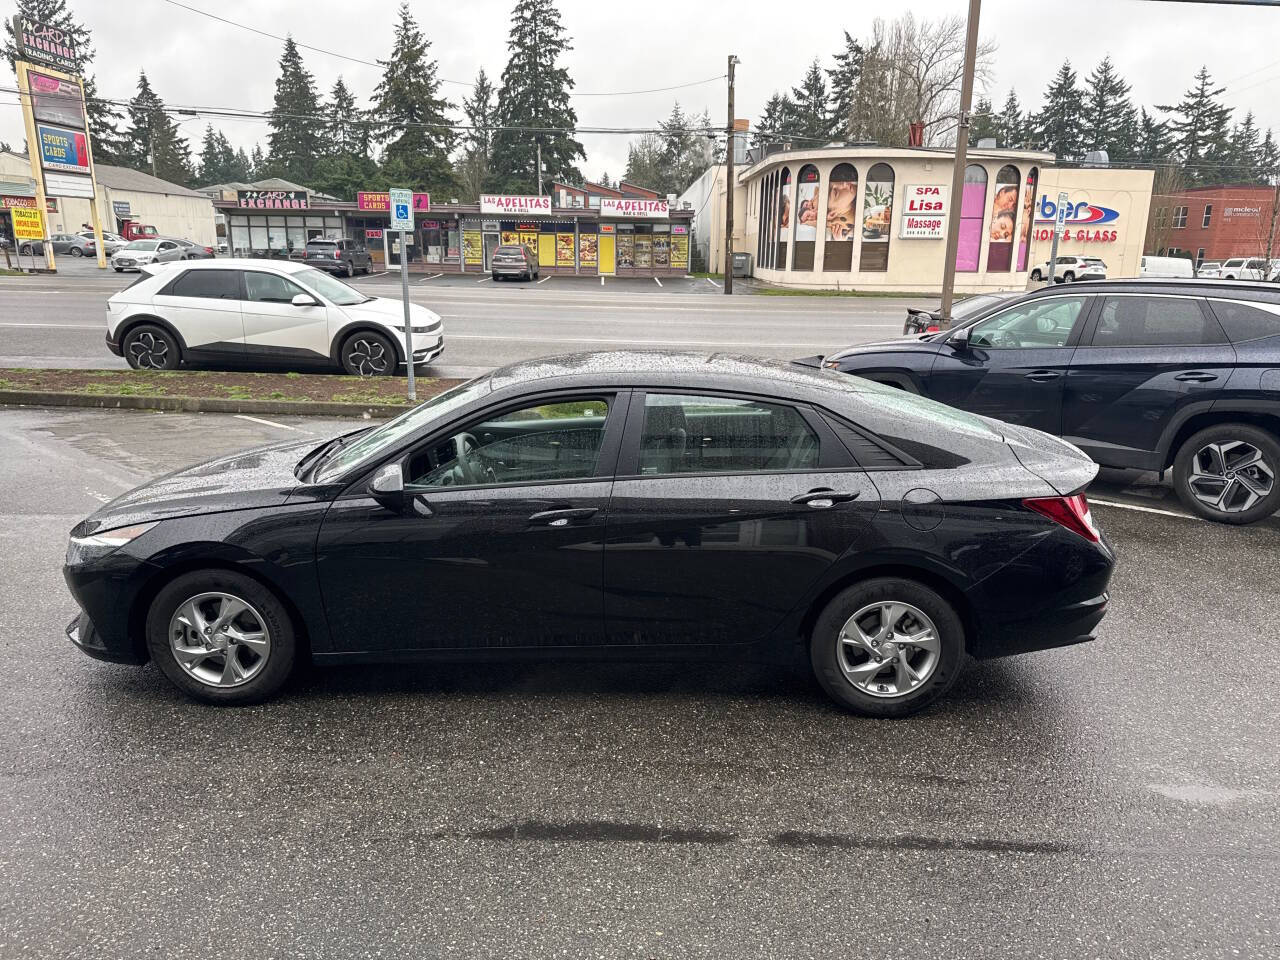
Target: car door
x,y
1146,362
498,541
727,509
274,327
204,307
1014,363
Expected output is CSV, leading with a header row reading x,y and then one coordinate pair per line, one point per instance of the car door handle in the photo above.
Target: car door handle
x,y
1043,376
821,499
563,517
1196,376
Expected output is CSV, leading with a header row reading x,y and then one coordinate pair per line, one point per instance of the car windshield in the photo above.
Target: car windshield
x,y
392,432
143,245
332,289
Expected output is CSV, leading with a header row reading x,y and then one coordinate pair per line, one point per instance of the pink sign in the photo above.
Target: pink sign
x,y
626,207
380,202
503,203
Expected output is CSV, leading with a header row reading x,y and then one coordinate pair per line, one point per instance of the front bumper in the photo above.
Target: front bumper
x,y
423,355
114,345
81,632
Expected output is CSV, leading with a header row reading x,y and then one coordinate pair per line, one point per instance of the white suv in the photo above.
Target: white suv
x,y
1244,268
1070,268
262,311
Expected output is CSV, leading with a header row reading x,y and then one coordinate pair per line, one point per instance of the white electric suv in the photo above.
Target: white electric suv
x,y
276,313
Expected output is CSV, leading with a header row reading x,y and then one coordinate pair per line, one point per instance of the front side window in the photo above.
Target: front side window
x,y
536,444
213,284
1247,321
697,434
269,288
1154,322
330,287
1040,323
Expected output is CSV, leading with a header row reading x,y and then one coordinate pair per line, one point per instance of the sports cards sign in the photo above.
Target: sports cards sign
x,y
62,151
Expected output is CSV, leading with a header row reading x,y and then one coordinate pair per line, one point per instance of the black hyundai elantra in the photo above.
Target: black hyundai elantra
x,y
611,505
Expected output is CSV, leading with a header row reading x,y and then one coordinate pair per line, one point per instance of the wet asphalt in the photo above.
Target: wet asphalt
x,y
1114,800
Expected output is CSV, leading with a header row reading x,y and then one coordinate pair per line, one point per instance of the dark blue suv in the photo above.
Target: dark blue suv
x,y
1151,375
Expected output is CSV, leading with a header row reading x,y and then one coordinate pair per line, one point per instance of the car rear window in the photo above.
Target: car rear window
x,y
321,244
1247,321
511,251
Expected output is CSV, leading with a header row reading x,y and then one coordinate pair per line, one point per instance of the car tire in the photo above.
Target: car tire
x,y
350,271
76,252
847,671
25,250
231,672
1245,494
1068,277
149,346
1036,275
119,269
368,354
494,276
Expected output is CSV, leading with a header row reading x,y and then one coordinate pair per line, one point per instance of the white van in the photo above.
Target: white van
x,y
1166,267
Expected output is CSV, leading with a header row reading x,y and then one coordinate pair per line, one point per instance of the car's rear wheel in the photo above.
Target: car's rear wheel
x,y
1068,277
151,347
350,270
77,252
368,354
887,647
1036,274
221,637
1229,473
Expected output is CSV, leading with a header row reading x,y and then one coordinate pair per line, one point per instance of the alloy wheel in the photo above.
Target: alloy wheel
x,y
219,639
368,357
888,648
1231,477
149,351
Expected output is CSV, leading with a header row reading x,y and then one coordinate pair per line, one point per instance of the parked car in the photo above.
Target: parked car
x,y
111,242
194,251
138,253
1069,268
338,256
754,511
1166,267
928,321
262,312
73,245
1151,375
1209,270
514,260
31,248
1244,268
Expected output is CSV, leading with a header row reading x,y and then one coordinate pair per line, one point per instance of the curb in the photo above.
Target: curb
x,y
34,398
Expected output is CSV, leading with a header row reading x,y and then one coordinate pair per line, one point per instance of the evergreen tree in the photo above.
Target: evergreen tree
x,y
1059,124
604,180
217,158
775,122
412,117
1268,158
242,170
103,118
1244,151
155,143
1108,115
535,93
844,87
645,165
811,121
1199,131
685,150
1152,143
477,155
294,141
985,123
258,169
346,165
1012,124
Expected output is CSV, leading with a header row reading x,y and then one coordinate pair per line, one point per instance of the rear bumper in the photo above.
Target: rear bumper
x,y
511,270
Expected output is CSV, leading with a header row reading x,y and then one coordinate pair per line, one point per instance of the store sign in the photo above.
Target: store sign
x,y
1253,213
27,224
375,201
373,234
120,208
68,185
272,199
489,226
41,43
625,207
63,151
924,211
26,203
1078,221
503,203
56,101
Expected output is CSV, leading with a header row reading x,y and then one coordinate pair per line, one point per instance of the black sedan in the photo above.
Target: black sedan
x,y
624,505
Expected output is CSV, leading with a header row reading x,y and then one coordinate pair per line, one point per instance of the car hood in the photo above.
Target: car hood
x,y
918,343
387,310
261,477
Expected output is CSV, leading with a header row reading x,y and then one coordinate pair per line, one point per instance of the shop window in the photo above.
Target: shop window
x,y
877,217
806,229
973,204
626,250
432,242
297,233
784,220
1208,215
1179,218
1004,213
764,249
842,218
661,246
1028,215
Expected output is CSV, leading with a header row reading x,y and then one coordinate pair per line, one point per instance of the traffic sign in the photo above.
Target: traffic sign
x,y
401,209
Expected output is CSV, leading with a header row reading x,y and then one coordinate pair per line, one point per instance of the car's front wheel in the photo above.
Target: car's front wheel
x,y
25,249
369,354
887,647
1228,473
151,347
221,637
1068,277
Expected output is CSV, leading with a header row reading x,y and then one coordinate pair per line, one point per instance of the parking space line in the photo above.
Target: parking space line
x,y
545,279
64,326
602,281
1140,509
483,279
712,282
266,423
657,281
430,277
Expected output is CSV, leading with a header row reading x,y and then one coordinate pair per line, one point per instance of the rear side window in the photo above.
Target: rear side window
x,y
697,434
215,284
1155,322
1247,321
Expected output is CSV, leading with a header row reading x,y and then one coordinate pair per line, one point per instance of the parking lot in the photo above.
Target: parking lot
x,y
1111,800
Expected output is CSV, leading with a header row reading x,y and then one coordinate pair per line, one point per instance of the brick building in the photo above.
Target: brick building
x,y
1214,223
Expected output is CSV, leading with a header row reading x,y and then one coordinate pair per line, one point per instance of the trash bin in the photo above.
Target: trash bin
x,y
742,264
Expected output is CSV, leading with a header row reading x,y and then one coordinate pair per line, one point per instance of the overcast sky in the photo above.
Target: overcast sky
x,y
193,60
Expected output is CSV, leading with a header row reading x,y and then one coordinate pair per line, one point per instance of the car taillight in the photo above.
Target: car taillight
x,y
1071,512
337,254
932,328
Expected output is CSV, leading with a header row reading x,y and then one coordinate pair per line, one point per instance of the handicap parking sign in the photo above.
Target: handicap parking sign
x,y
401,209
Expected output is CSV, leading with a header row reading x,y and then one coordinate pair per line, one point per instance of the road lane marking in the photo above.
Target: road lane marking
x,y
657,281
1134,506
545,279
267,423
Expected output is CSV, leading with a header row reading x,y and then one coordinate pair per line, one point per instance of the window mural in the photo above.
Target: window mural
x,y
1028,211
877,219
842,218
784,219
806,231
1004,212
973,205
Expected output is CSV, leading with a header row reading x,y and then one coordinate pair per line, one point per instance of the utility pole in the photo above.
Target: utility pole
x,y
1271,234
962,157
538,140
728,187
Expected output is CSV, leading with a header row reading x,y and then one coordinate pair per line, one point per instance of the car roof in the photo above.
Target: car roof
x,y
1199,284
243,263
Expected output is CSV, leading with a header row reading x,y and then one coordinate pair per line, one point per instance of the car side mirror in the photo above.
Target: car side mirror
x,y
960,338
387,486
304,300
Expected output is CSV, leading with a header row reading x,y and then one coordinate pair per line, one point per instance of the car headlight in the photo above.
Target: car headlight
x,y
98,545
